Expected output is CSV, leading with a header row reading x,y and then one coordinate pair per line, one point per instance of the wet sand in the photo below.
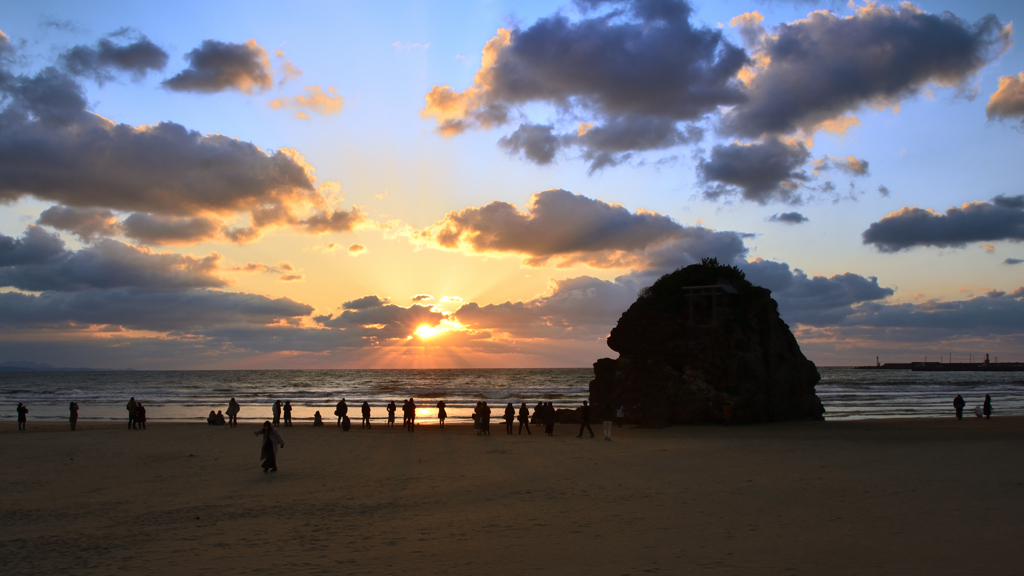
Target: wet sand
x,y
880,497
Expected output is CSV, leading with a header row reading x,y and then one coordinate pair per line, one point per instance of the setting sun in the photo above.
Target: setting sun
x,y
426,331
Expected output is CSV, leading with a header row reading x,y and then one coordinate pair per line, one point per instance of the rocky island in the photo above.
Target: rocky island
x,y
704,345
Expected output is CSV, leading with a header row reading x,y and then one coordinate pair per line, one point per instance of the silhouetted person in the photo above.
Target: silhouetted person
x,y
220,418
585,420
412,415
288,413
366,415
132,407
441,413
549,419
317,420
392,408
986,408
405,414
538,414
510,417
140,415
74,415
22,416
341,411
277,413
233,409
478,419
485,412
212,418
958,405
524,418
268,448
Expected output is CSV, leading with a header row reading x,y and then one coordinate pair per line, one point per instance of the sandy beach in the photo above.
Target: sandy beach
x,y
923,496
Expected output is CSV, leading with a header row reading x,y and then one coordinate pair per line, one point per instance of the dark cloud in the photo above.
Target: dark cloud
x,y
759,172
217,66
382,321
38,262
883,190
635,71
153,229
1013,261
142,309
422,297
332,221
851,165
35,247
788,218
365,302
825,66
557,223
97,62
1008,100
87,223
1002,219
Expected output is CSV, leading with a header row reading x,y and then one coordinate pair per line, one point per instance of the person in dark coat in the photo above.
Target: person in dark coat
x,y
132,407
585,420
986,409
341,411
411,415
538,414
74,415
549,419
268,448
510,417
288,413
140,415
958,405
233,410
485,414
277,413
317,419
211,420
441,412
22,416
220,418
524,418
366,415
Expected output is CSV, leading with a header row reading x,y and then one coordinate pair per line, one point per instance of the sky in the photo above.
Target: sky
x,y
229,185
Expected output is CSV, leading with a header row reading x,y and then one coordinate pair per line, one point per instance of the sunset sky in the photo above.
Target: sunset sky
x,y
490,183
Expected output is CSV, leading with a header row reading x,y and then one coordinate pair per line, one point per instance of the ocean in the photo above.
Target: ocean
x,y
190,395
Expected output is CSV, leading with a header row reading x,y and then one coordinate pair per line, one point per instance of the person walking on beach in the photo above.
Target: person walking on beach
x,y
132,410
74,415
585,420
268,448
140,415
958,405
441,413
277,413
288,413
411,418
986,408
366,415
341,410
620,415
392,408
510,416
22,417
524,419
233,409
549,419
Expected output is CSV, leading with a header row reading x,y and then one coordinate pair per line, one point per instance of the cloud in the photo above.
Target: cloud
x,y
883,190
315,100
1008,100
333,221
761,172
1002,219
97,62
851,165
151,229
217,66
820,68
365,302
292,278
635,72
422,298
535,142
387,321
288,71
357,250
38,262
788,218
1012,261
557,225
86,223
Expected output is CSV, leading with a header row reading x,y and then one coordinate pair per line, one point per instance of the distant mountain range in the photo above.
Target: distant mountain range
x,y
26,366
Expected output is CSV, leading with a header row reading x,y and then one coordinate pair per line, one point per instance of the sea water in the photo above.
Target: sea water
x,y
190,395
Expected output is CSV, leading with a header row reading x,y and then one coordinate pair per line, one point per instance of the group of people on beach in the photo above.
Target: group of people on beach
x,y
981,410
408,415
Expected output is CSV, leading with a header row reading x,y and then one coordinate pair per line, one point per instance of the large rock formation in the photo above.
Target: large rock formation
x,y
705,345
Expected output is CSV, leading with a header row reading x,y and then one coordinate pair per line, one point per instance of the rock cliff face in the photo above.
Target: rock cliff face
x,y
704,345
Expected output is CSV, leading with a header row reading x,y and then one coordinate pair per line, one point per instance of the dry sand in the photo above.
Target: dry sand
x,y
868,497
